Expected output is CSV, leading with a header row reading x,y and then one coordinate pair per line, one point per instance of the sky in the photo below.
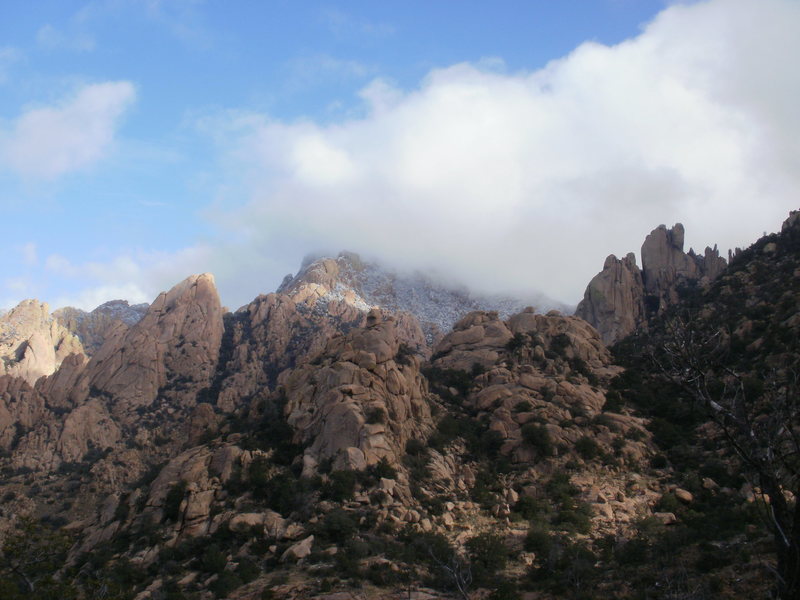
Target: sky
x,y
509,145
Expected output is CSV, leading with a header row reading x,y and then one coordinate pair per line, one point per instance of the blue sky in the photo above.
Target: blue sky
x,y
509,145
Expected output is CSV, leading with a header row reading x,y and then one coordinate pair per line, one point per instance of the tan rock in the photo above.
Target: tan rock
x,y
333,405
614,299
299,550
92,328
32,343
172,351
666,518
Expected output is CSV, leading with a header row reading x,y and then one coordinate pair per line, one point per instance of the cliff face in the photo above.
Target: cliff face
x,y
171,353
143,381
92,328
621,298
32,344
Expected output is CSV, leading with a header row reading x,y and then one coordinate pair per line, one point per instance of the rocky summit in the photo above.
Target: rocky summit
x,y
365,284
362,434
622,297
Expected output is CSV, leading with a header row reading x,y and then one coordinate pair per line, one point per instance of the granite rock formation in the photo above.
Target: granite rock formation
x,y
366,284
92,328
614,299
620,299
360,400
32,343
171,353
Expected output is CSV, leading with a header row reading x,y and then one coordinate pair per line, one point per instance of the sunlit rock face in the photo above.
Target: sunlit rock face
x,y
360,400
614,299
32,343
171,352
92,328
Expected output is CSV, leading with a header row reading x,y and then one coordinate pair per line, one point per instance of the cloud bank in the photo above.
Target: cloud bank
x,y
519,181
514,181
51,141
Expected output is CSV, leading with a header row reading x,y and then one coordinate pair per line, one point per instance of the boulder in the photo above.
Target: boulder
x,y
299,550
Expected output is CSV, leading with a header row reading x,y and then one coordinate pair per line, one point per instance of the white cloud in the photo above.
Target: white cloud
x,y
29,254
346,26
51,141
53,39
529,180
8,56
305,72
522,180
90,298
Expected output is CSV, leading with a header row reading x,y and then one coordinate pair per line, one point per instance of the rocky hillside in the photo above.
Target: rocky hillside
x,y
311,445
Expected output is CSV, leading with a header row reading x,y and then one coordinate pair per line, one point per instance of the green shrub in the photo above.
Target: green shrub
x,y
415,447
538,540
530,508
404,354
559,344
341,486
487,555
337,526
587,447
225,584
381,576
574,520
517,342
213,560
382,469
247,570
375,415
523,406
560,488
504,589
172,502
281,493
668,503
538,438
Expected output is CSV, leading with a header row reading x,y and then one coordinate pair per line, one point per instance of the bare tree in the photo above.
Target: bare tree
x,y
32,554
457,570
758,414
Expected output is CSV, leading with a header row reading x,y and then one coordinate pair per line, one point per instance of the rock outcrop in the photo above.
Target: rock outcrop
x,y
171,352
92,328
621,298
366,284
359,401
614,299
283,330
105,404
32,343
536,368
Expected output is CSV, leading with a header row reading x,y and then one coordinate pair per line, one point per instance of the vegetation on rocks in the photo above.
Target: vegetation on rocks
x,y
304,447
